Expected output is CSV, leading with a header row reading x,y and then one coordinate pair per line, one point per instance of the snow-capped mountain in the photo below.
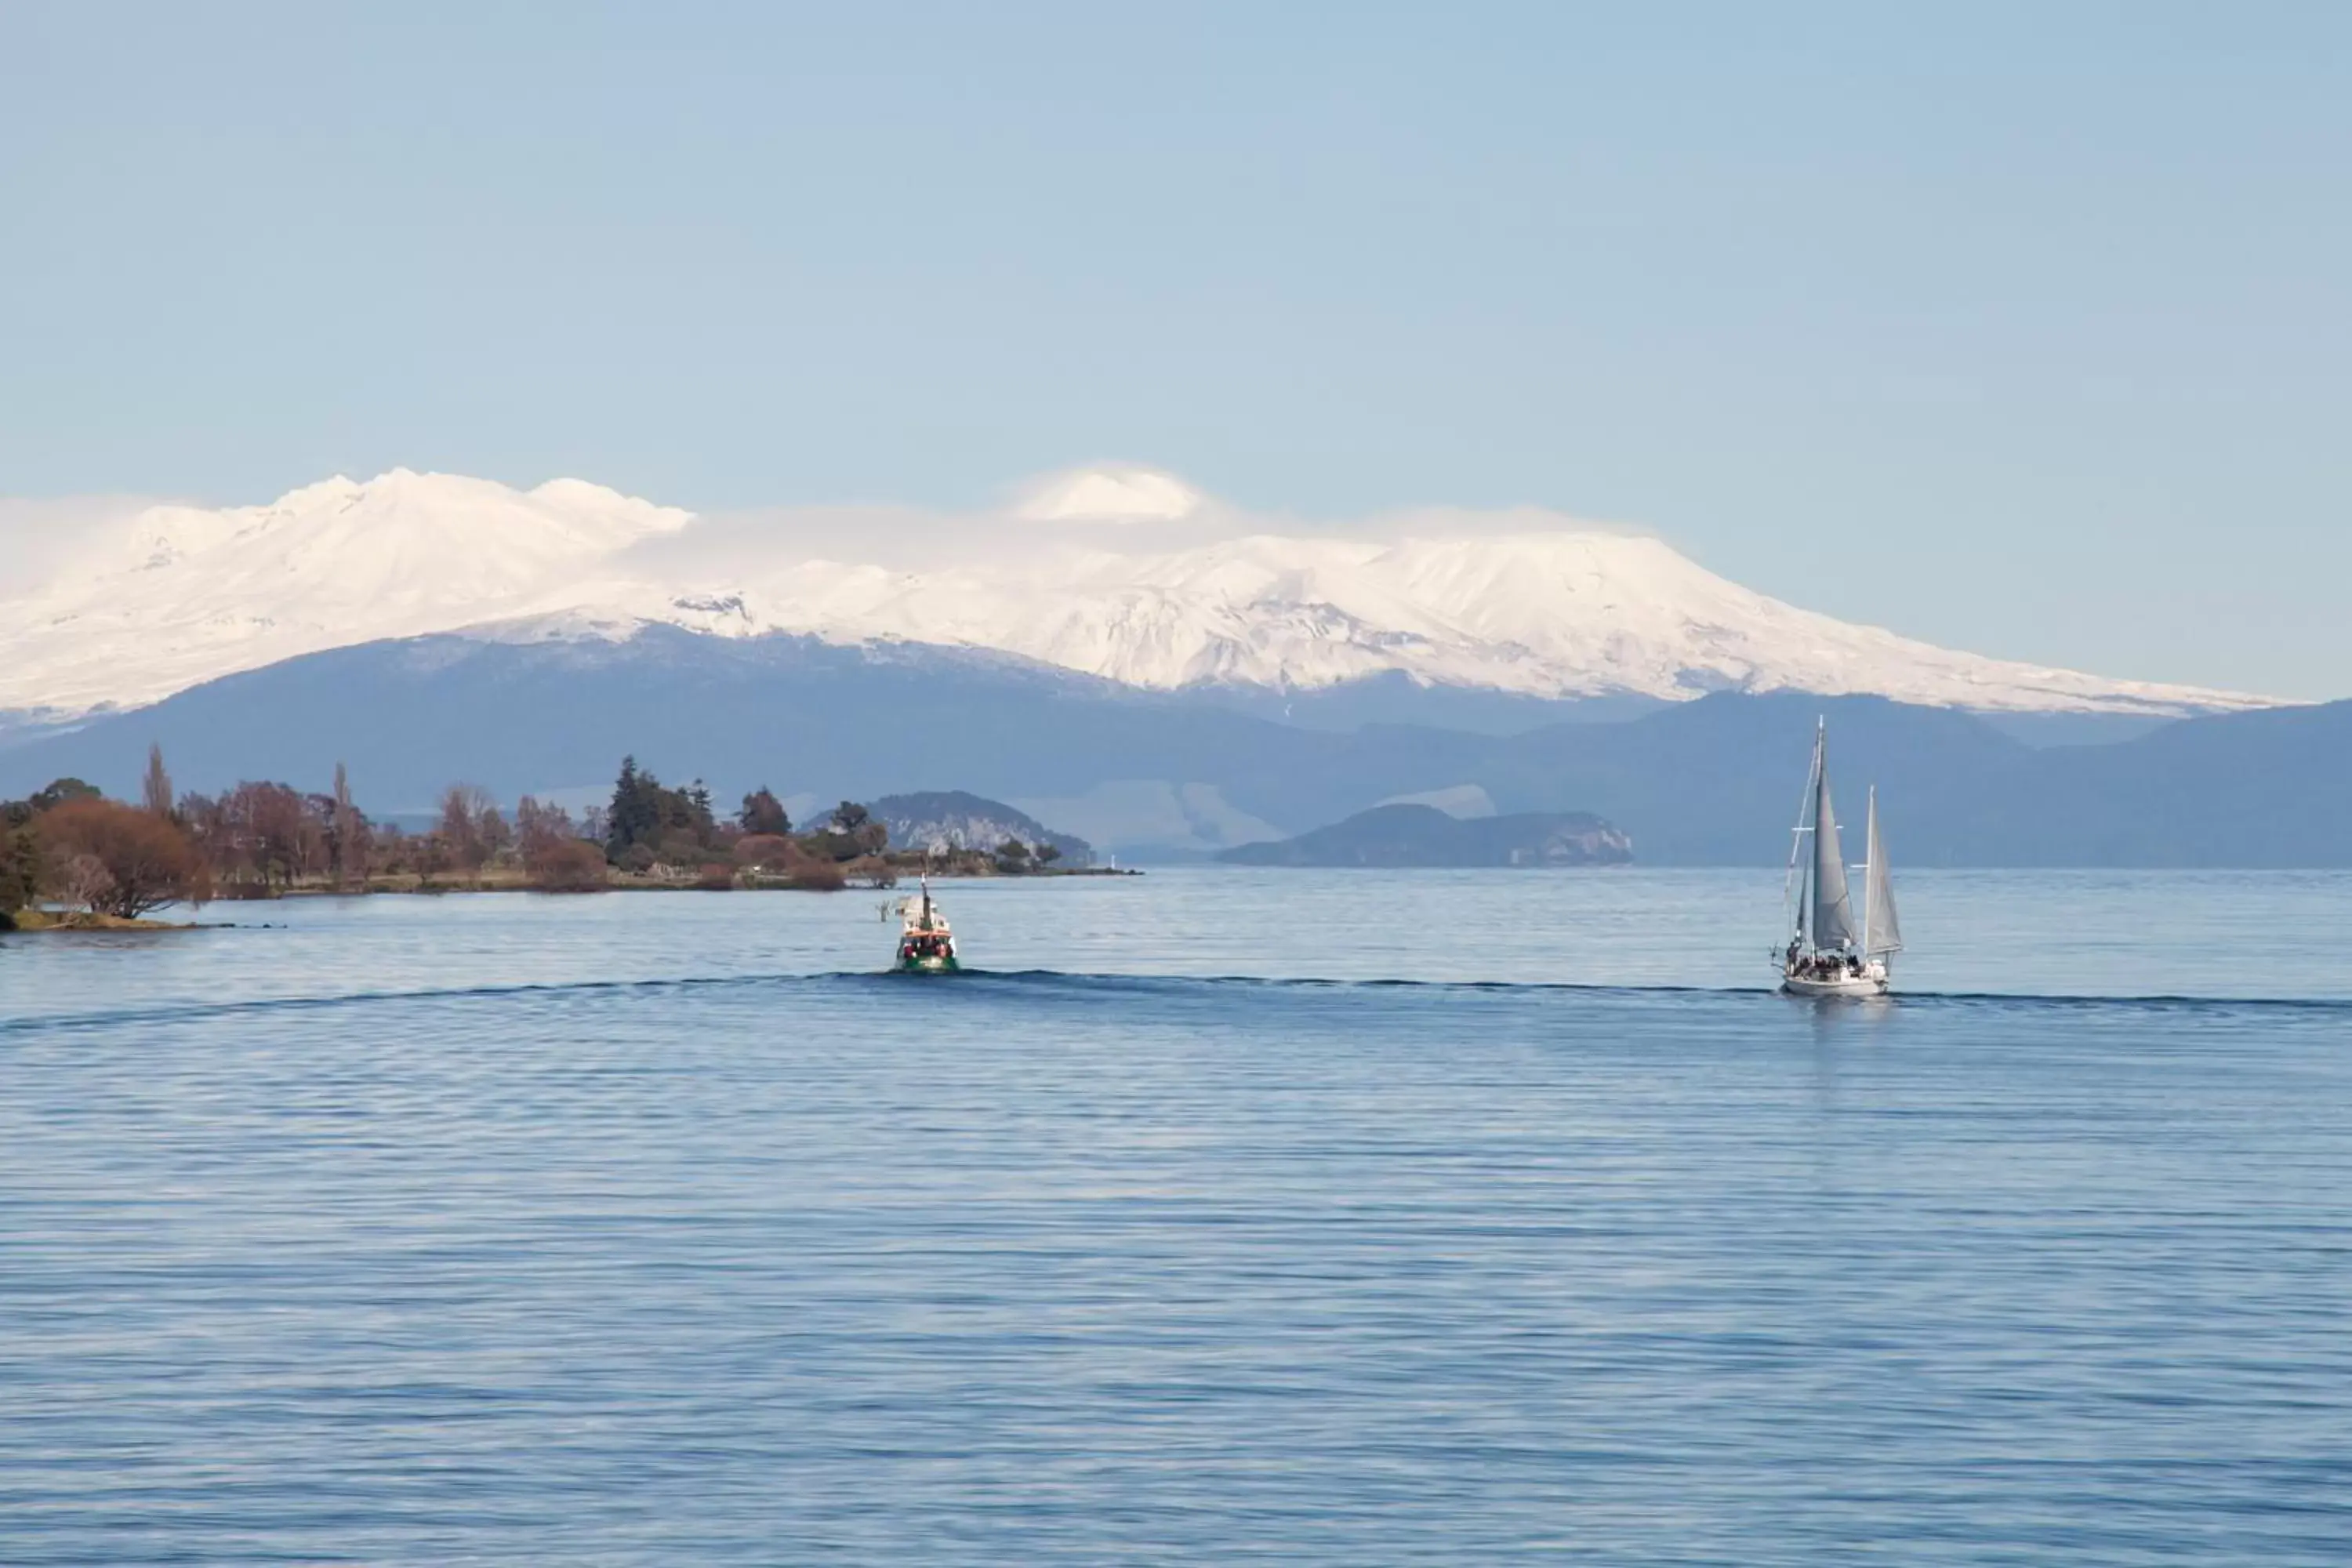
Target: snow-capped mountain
x,y
192,594
1557,610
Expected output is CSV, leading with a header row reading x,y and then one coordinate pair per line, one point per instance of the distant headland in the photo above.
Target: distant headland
x,y
71,858
1408,835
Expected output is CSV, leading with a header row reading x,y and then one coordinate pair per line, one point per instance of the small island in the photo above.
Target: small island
x,y
1404,836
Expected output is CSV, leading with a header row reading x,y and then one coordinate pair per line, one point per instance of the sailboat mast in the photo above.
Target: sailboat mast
x,y
1869,868
1793,889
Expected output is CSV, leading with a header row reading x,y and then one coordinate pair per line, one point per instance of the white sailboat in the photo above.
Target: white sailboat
x,y
1828,954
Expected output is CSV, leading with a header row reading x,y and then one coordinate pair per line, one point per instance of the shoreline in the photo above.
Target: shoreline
x,y
621,882
30,921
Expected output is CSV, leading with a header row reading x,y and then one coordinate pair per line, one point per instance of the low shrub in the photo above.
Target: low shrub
x,y
872,870
817,877
574,866
768,851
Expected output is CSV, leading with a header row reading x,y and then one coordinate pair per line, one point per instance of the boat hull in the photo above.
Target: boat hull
x,y
928,966
1840,985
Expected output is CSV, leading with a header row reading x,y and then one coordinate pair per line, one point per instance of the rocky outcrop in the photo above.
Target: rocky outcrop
x,y
953,819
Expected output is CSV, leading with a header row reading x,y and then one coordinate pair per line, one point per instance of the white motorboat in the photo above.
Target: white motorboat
x,y
1828,954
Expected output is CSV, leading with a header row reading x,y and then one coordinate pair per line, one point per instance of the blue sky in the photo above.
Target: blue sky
x,y
2026,329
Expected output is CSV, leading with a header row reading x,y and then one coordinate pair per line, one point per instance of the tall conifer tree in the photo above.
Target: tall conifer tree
x,y
155,792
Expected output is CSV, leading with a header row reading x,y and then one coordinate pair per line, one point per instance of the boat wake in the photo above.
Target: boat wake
x,y
1095,984
1048,986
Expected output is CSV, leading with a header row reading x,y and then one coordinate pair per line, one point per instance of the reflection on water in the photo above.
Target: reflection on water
x,y
646,1230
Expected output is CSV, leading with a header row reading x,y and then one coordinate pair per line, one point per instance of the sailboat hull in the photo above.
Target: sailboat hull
x,y
1873,983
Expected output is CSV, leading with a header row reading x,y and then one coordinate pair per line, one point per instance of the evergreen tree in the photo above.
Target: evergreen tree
x,y
57,792
156,791
635,816
20,862
763,813
669,823
347,833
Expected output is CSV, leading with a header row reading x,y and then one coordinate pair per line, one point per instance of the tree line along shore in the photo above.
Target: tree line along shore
x,y
71,857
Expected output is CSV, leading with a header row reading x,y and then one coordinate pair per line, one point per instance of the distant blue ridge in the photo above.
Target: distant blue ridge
x,y
1709,782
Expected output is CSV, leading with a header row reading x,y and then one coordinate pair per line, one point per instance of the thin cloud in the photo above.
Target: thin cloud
x,y
1107,508
41,539
1120,509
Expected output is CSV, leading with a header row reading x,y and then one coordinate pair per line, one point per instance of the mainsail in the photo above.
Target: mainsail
x,y
1885,934
1832,911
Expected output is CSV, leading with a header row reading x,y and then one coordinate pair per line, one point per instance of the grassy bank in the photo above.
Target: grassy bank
x,y
515,879
82,920
855,876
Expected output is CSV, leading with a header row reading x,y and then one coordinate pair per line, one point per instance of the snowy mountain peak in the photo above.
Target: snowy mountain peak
x,y
1511,603
498,535
193,592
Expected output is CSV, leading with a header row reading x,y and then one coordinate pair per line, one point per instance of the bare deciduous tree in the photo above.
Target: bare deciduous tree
x,y
120,860
84,880
469,819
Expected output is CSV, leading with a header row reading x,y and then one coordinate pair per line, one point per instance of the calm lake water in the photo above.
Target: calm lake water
x,y
1348,1217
